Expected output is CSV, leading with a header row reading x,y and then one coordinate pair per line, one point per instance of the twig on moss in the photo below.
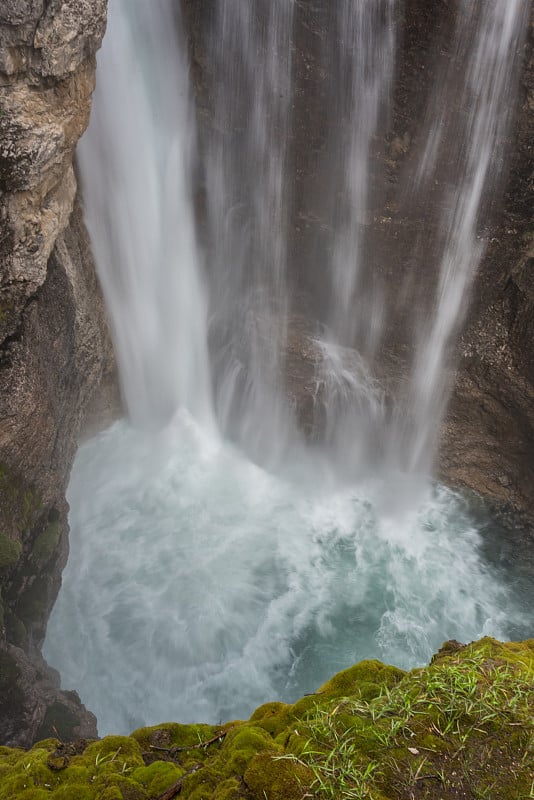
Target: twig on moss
x,y
176,788
173,750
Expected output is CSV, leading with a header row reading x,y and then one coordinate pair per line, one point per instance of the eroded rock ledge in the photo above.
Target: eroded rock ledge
x,y
459,728
54,344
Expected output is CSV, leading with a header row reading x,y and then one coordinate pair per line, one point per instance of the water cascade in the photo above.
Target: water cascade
x,y
136,164
217,559
471,132
361,55
248,219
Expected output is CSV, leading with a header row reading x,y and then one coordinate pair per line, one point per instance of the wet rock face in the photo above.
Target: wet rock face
x,y
487,438
32,706
54,345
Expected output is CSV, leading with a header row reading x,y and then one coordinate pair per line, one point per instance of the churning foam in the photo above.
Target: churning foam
x,y
199,585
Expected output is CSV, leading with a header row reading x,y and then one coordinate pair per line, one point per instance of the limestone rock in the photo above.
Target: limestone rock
x,y
54,342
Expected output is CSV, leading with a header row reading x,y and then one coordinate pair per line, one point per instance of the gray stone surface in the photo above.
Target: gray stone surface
x,y
54,341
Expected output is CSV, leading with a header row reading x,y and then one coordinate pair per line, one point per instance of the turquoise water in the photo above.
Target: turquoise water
x,y
199,585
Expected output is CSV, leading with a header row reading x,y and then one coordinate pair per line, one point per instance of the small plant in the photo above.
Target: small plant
x,y
108,757
334,757
463,703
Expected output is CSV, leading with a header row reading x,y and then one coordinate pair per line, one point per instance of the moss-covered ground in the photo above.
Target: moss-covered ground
x,y
463,727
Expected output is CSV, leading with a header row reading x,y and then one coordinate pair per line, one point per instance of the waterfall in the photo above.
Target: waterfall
x,y
361,82
351,407
136,162
218,559
469,135
247,189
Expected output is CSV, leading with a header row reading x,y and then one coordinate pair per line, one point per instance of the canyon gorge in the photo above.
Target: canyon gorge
x,y
58,373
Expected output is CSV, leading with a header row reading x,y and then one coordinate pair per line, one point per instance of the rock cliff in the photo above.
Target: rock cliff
x,y
487,437
54,345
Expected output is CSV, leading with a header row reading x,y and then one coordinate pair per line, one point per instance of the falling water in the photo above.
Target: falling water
x,y
136,163
362,74
206,576
352,406
247,190
471,133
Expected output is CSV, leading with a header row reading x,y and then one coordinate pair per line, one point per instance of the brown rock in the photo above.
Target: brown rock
x,y
54,343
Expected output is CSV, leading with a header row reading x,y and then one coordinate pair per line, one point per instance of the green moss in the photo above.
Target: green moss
x,y
371,731
9,755
157,777
127,788
228,790
173,734
270,778
110,793
202,793
32,605
350,681
46,543
273,717
74,791
13,786
77,774
21,504
241,745
10,551
121,752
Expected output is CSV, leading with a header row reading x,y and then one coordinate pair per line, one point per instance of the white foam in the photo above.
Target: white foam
x,y
199,585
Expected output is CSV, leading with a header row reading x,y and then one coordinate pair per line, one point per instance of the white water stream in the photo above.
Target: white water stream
x,y
200,582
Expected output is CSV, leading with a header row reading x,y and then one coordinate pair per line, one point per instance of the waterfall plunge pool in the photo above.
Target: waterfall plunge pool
x,y
200,586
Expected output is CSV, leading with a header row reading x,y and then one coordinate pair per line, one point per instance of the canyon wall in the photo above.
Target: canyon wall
x,y
55,351
54,344
486,444
488,436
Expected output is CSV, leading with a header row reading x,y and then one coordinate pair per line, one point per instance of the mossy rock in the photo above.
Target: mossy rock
x,y
16,632
45,545
128,789
74,791
228,790
241,745
21,505
10,551
33,604
157,777
172,734
271,778
121,752
273,717
351,681
371,731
